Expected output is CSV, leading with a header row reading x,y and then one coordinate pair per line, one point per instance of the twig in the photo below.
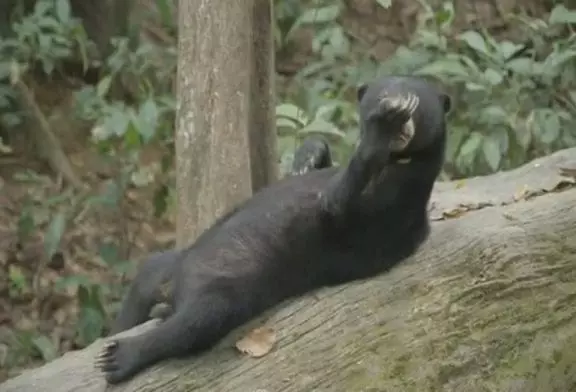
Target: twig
x,y
46,142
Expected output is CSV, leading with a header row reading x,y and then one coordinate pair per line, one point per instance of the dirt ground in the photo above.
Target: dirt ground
x,y
40,306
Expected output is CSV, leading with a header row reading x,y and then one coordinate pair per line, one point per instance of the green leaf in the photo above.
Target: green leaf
x,y
45,347
286,143
48,66
470,86
322,127
384,3
16,276
507,48
286,123
339,41
327,111
148,119
44,42
90,325
89,296
493,77
445,16
444,67
471,145
457,134
41,8
124,268
352,137
560,15
502,134
319,15
165,10
429,39
81,43
475,41
54,233
557,59
524,66
48,23
491,150
474,69
109,253
71,281
493,115
116,122
104,86
132,136
292,112
548,124
26,222
63,10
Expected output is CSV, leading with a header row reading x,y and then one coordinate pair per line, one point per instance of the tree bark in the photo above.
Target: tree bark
x,y
487,304
262,124
215,50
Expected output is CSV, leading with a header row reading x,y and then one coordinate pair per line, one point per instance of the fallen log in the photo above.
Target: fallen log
x,y
487,304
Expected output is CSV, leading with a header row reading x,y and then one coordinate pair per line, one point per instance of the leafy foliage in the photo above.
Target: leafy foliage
x,y
46,36
498,121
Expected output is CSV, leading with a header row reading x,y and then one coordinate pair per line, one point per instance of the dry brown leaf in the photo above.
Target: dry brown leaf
x,y
257,342
476,206
454,213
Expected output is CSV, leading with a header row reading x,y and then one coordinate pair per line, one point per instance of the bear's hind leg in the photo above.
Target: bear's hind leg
x,y
146,291
194,327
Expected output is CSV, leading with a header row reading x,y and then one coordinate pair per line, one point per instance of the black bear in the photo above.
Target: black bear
x,y
326,227
151,286
313,154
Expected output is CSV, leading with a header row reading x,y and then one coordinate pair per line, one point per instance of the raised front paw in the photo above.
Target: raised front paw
x,y
399,109
117,360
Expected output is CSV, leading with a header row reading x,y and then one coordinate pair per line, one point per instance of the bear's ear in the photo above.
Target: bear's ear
x,y
446,102
361,91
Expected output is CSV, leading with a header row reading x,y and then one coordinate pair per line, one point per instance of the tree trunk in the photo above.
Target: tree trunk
x,y
214,91
262,124
487,304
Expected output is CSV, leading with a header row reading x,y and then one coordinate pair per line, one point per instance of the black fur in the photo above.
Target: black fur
x,y
152,284
378,128
322,228
313,153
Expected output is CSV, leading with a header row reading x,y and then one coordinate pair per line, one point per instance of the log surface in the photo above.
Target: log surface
x,y
487,304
